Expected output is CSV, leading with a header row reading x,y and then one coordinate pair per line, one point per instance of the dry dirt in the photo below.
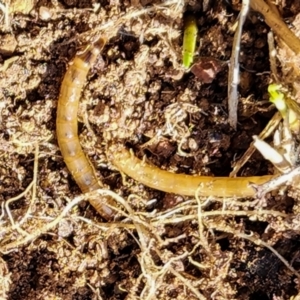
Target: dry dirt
x,y
137,94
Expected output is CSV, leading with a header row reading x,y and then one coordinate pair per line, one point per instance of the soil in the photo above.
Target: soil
x,y
165,246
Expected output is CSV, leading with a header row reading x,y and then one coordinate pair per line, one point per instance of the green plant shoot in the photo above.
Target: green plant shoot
x,y
189,40
285,105
277,98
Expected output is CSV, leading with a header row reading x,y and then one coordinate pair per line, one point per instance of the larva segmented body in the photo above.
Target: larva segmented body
x,y
67,128
183,184
83,172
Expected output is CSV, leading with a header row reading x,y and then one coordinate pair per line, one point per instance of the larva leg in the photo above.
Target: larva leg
x,y
67,128
183,184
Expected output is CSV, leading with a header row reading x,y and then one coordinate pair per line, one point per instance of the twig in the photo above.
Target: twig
x,y
234,68
272,56
273,123
273,184
277,25
275,157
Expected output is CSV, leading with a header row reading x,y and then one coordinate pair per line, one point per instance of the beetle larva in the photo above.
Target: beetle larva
x,y
67,128
183,184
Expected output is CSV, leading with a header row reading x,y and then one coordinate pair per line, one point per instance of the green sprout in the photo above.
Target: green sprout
x,y
287,106
189,40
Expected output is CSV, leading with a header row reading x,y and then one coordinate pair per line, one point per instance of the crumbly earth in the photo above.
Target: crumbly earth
x,y
163,246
